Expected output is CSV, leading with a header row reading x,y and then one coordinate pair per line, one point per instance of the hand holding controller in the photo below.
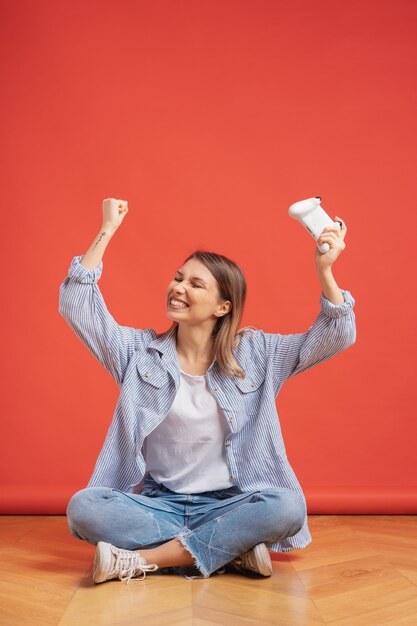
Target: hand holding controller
x,y
311,215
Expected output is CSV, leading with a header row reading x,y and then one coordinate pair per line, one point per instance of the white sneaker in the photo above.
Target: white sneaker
x,y
111,562
257,560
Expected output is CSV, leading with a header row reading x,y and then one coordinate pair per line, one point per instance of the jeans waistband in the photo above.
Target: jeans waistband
x,y
153,484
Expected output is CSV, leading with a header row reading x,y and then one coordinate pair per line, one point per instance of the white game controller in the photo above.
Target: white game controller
x,y
311,215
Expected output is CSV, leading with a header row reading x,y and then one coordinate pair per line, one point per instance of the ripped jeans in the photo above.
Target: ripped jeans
x,y
214,526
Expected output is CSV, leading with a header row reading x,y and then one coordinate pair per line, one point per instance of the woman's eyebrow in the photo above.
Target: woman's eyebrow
x,y
193,277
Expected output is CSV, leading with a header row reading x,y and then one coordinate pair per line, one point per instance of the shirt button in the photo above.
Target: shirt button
x,y
232,477
227,443
215,389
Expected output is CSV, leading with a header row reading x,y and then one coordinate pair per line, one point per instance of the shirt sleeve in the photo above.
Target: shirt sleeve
x,y
334,330
82,305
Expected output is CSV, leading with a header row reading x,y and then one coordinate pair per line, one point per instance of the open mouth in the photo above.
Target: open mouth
x,y
177,304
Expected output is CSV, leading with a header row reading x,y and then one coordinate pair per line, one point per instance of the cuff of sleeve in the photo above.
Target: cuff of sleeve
x,y
337,310
82,274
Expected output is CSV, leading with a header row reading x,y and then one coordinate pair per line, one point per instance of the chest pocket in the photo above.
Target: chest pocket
x,y
249,390
153,375
151,384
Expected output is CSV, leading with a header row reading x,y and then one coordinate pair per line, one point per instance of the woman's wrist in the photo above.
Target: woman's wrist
x,y
94,254
329,286
109,227
324,272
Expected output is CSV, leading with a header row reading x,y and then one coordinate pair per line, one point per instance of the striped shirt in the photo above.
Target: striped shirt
x,y
146,369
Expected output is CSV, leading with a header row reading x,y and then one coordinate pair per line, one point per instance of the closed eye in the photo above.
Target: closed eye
x,y
193,284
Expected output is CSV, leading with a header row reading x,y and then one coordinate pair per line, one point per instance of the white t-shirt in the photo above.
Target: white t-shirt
x,y
186,452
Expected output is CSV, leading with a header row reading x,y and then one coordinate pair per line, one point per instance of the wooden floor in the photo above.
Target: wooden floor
x,y
360,570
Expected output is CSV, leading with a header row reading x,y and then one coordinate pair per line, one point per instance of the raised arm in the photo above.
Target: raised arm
x,y
334,328
333,331
82,305
114,212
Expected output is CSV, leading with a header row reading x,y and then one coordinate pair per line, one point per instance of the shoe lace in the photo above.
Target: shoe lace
x,y
242,561
129,563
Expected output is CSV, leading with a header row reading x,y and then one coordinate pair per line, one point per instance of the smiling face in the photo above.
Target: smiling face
x,y
197,289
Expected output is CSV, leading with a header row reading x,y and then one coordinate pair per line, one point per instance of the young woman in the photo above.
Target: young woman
x,y
193,472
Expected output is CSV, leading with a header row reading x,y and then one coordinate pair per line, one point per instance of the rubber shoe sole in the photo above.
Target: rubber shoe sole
x,y
111,562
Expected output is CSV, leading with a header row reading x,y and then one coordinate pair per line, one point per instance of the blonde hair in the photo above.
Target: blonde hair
x,y
232,286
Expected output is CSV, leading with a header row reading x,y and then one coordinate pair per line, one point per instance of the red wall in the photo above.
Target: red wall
x,y
211,118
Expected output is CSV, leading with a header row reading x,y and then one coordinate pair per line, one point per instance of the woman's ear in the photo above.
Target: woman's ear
x,y
224,308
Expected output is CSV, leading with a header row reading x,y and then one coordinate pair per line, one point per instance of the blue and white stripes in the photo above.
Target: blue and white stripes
x,y
83,307
146,368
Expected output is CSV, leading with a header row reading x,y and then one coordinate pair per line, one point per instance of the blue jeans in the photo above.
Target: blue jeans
x,y
214,526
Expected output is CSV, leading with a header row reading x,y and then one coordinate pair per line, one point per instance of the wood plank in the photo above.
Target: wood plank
x,y
360,570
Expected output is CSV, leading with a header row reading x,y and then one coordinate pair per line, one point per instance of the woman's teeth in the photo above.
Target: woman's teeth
x,y
177,304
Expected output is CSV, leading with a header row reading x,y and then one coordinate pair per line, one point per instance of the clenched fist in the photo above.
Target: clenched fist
x,y
334,237
114,211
